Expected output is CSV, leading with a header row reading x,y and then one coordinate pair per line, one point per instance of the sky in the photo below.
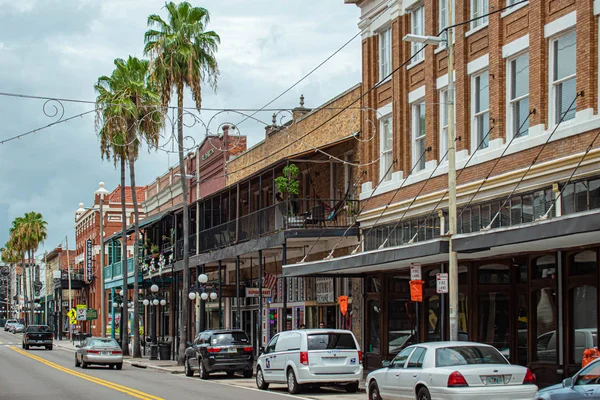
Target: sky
x,y
59,48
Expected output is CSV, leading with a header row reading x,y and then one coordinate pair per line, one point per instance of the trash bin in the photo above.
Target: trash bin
x,y
154,352
164,351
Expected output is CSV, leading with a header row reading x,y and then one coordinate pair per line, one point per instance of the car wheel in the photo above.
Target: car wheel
x,y
26,347
84,365
77,363
188,369
49,347
293,386
374,391
119,367
423,394
230,374
201,370
248,373
352,387
260,380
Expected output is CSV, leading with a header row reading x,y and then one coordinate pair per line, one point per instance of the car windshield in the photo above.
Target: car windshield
x,y
103,343
331,341
38,328
227,338
466,355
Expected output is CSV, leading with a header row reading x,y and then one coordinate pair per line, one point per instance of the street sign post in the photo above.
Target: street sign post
x,y
415,271
81,311
441,283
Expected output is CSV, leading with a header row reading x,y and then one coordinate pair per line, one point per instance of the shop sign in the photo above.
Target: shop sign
x,y
254,292
229,290
415,271
441,283
91,314
207,154
88,260
325,290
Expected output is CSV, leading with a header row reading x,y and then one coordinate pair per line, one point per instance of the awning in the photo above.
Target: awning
x,y
390,258
144,222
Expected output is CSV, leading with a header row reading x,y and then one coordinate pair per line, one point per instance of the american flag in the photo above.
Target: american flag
x,y
269,281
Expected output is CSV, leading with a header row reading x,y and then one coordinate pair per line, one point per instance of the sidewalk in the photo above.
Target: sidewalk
x,y
168,366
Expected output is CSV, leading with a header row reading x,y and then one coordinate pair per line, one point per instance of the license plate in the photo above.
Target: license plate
x,y
232,350
494,380
105,353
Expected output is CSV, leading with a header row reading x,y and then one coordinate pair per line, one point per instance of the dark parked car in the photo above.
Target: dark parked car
x,y
38,335
584,385
227,351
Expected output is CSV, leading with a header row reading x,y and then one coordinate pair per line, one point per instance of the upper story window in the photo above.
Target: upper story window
x,y
443,14
417,18
443,143
418,136
518,88
387,144
481,110
479,8
563,56
385,53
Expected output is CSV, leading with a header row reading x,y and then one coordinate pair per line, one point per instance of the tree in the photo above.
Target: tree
x,y
132,113
9,256
182,53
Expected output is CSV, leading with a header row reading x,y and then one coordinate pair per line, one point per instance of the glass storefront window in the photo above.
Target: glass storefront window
x,y
374,317
494,274
544,267
399,284
433,318
494,321
522,321
585,322
583,263
373,285
546,310
400,326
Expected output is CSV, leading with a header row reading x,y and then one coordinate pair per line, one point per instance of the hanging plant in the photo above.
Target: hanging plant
x,y
288,182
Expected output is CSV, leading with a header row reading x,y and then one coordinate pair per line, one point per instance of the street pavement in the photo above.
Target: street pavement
x,y
52,375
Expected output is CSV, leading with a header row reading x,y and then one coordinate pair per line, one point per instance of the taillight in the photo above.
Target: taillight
x,y
248,349
26,336
304,357
529,378
360,357
456,380
213,349
117,352
52,336
93,351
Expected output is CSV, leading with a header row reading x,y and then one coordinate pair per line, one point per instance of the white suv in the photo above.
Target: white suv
x,y
311,356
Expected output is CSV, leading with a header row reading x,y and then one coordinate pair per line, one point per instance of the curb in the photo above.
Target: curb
x,y
153,367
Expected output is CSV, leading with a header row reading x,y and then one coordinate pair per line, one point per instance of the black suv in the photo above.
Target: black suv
x,y
227,350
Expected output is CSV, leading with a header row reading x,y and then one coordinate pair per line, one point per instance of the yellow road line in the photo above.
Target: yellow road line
x,y
111,385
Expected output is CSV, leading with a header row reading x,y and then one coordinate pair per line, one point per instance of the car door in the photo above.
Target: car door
x,y
389,387
586,385
269,373
411,373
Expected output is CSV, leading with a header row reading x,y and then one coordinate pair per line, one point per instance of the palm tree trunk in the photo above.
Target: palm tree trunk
x,y
136,265
183,336
124,314
31,289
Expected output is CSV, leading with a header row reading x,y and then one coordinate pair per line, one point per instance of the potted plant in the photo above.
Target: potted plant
x,y
155,251
289,185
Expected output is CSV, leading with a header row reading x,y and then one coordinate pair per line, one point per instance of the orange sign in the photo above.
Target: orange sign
x,y
416,290
343,302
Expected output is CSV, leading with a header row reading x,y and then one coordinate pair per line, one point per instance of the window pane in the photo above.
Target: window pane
x,y
546,340
515,210
565,53
544,267
594,188
583,301
565,94
581,196
520,114
483,128
520,76
400,326
568,199
433,314
373,285
583,263
494,274
416,358
482,94
527,208
374,326
521,330
493,320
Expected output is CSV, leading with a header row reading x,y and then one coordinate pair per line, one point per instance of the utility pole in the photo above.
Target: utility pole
x,y
102,300
453,267
46,311
70,294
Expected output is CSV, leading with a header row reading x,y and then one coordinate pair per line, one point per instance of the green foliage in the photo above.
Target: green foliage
x,y
155,249
288,181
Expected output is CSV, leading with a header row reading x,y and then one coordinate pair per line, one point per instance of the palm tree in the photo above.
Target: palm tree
x,y
182,54
11,257
134,114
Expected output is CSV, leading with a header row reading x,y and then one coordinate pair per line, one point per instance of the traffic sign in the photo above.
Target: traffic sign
x,y
72,316
91,314
81,310
415,271
441,283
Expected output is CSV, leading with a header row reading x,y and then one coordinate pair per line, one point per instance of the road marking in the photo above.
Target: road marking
x,y
111,385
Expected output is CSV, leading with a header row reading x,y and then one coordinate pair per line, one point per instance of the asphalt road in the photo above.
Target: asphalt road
x,y
52,375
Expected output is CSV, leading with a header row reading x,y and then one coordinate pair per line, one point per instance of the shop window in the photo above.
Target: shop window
x,y
494,274
373,284
400,325
544,267
494,320
399,284
430,278
527,210
585,322
583,263
522,320
374,316
433,318
516,211
546,310
594,188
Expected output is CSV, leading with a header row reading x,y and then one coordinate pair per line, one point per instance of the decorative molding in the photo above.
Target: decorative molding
x,y
560,25
416,94
478,64
515,47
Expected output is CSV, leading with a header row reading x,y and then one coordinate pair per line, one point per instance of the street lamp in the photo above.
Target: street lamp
x,y
452,262
154,299
101,192
202,289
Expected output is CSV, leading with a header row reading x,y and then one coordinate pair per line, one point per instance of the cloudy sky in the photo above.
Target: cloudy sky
x,y
58,48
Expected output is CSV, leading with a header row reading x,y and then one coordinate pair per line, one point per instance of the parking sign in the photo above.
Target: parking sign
x,y
415,271
441,281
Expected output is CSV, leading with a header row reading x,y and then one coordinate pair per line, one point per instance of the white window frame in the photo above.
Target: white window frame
x,y
385,52
416,128
553,116
443,140
417,14
383,165
479,5
476,115
510,102
443,14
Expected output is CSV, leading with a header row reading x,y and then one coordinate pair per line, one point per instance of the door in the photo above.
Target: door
x,y
586,385
389,387
270,364
410,375
332,353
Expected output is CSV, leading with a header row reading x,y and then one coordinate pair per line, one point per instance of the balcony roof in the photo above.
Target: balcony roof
x,y
145,222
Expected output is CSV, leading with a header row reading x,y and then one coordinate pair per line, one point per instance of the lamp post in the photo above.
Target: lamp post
x,y
154,299
202,290
119,303
101,192
452,261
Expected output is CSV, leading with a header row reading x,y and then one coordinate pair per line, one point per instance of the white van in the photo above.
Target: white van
x,y
311,356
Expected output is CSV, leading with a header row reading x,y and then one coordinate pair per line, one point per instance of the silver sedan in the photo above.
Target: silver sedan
x,y
99,351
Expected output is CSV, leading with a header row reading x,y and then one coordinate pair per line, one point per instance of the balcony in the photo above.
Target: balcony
x,y
115,270
77,279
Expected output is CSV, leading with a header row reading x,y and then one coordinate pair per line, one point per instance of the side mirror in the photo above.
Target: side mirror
x,y
386,364
78,346
568,383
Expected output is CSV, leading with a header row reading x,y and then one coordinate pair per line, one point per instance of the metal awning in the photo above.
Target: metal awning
x,y
144,222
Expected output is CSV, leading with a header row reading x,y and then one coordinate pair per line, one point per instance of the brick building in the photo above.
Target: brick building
x,y
87,239
528,181
57,285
